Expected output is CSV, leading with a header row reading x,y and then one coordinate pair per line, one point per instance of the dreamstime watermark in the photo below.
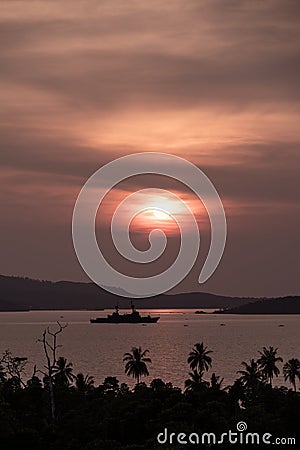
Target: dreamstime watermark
x,y
239,436
103,181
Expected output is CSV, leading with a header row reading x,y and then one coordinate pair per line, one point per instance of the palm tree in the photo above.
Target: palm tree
x,y
291,371
199,358
251,376
195,382
267,363
136,363
83,383
63,372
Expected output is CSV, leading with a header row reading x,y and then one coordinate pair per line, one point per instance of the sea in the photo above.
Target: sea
x,y
98,349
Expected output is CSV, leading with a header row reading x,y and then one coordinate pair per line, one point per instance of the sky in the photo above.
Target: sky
x,y
216,82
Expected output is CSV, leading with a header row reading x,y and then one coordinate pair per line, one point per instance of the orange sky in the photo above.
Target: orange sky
x,y
217,82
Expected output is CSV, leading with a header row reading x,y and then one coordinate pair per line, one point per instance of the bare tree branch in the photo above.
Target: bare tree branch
x,y
50,346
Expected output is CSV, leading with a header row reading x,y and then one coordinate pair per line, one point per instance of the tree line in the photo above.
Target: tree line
x,y
57,408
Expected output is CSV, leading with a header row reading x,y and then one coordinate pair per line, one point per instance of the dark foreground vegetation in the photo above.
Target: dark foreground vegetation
x,y
58,409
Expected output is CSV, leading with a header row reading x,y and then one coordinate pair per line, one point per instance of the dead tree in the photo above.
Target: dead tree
x,y
50,346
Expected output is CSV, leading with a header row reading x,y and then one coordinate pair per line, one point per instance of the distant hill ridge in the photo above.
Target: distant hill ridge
x,y
280,305
22,293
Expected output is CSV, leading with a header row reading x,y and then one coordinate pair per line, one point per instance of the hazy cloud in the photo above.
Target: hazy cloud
x,y
217,82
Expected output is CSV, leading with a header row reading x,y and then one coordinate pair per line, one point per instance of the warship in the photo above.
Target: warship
x,y
133,317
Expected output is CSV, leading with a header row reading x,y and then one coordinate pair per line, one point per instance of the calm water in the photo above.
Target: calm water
x,y
97,349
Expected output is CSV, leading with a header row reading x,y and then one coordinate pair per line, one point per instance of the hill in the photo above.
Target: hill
x,y
11,306
280,305
19,293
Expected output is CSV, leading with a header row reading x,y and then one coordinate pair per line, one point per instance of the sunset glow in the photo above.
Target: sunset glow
x,y
160,215
148,209
150,217
217,85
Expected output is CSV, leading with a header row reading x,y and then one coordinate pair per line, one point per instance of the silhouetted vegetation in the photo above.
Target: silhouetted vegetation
x,y
65,410
291,371
136,363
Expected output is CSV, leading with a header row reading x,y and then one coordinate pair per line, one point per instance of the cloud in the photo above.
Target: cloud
x,y
214,81
180,57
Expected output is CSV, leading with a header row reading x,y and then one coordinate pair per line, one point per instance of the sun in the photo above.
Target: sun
x,y
160,215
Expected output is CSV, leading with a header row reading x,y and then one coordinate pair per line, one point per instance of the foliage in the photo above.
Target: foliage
x,y
291,371
113,416
199,358
267,362
136,363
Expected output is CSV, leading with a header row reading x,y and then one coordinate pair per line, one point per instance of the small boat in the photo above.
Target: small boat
x,y
133,317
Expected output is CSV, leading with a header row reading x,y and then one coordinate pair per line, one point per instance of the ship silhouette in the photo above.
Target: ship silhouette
x,y
133,317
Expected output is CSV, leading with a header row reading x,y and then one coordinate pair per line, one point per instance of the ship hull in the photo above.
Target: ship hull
x,y
125,320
